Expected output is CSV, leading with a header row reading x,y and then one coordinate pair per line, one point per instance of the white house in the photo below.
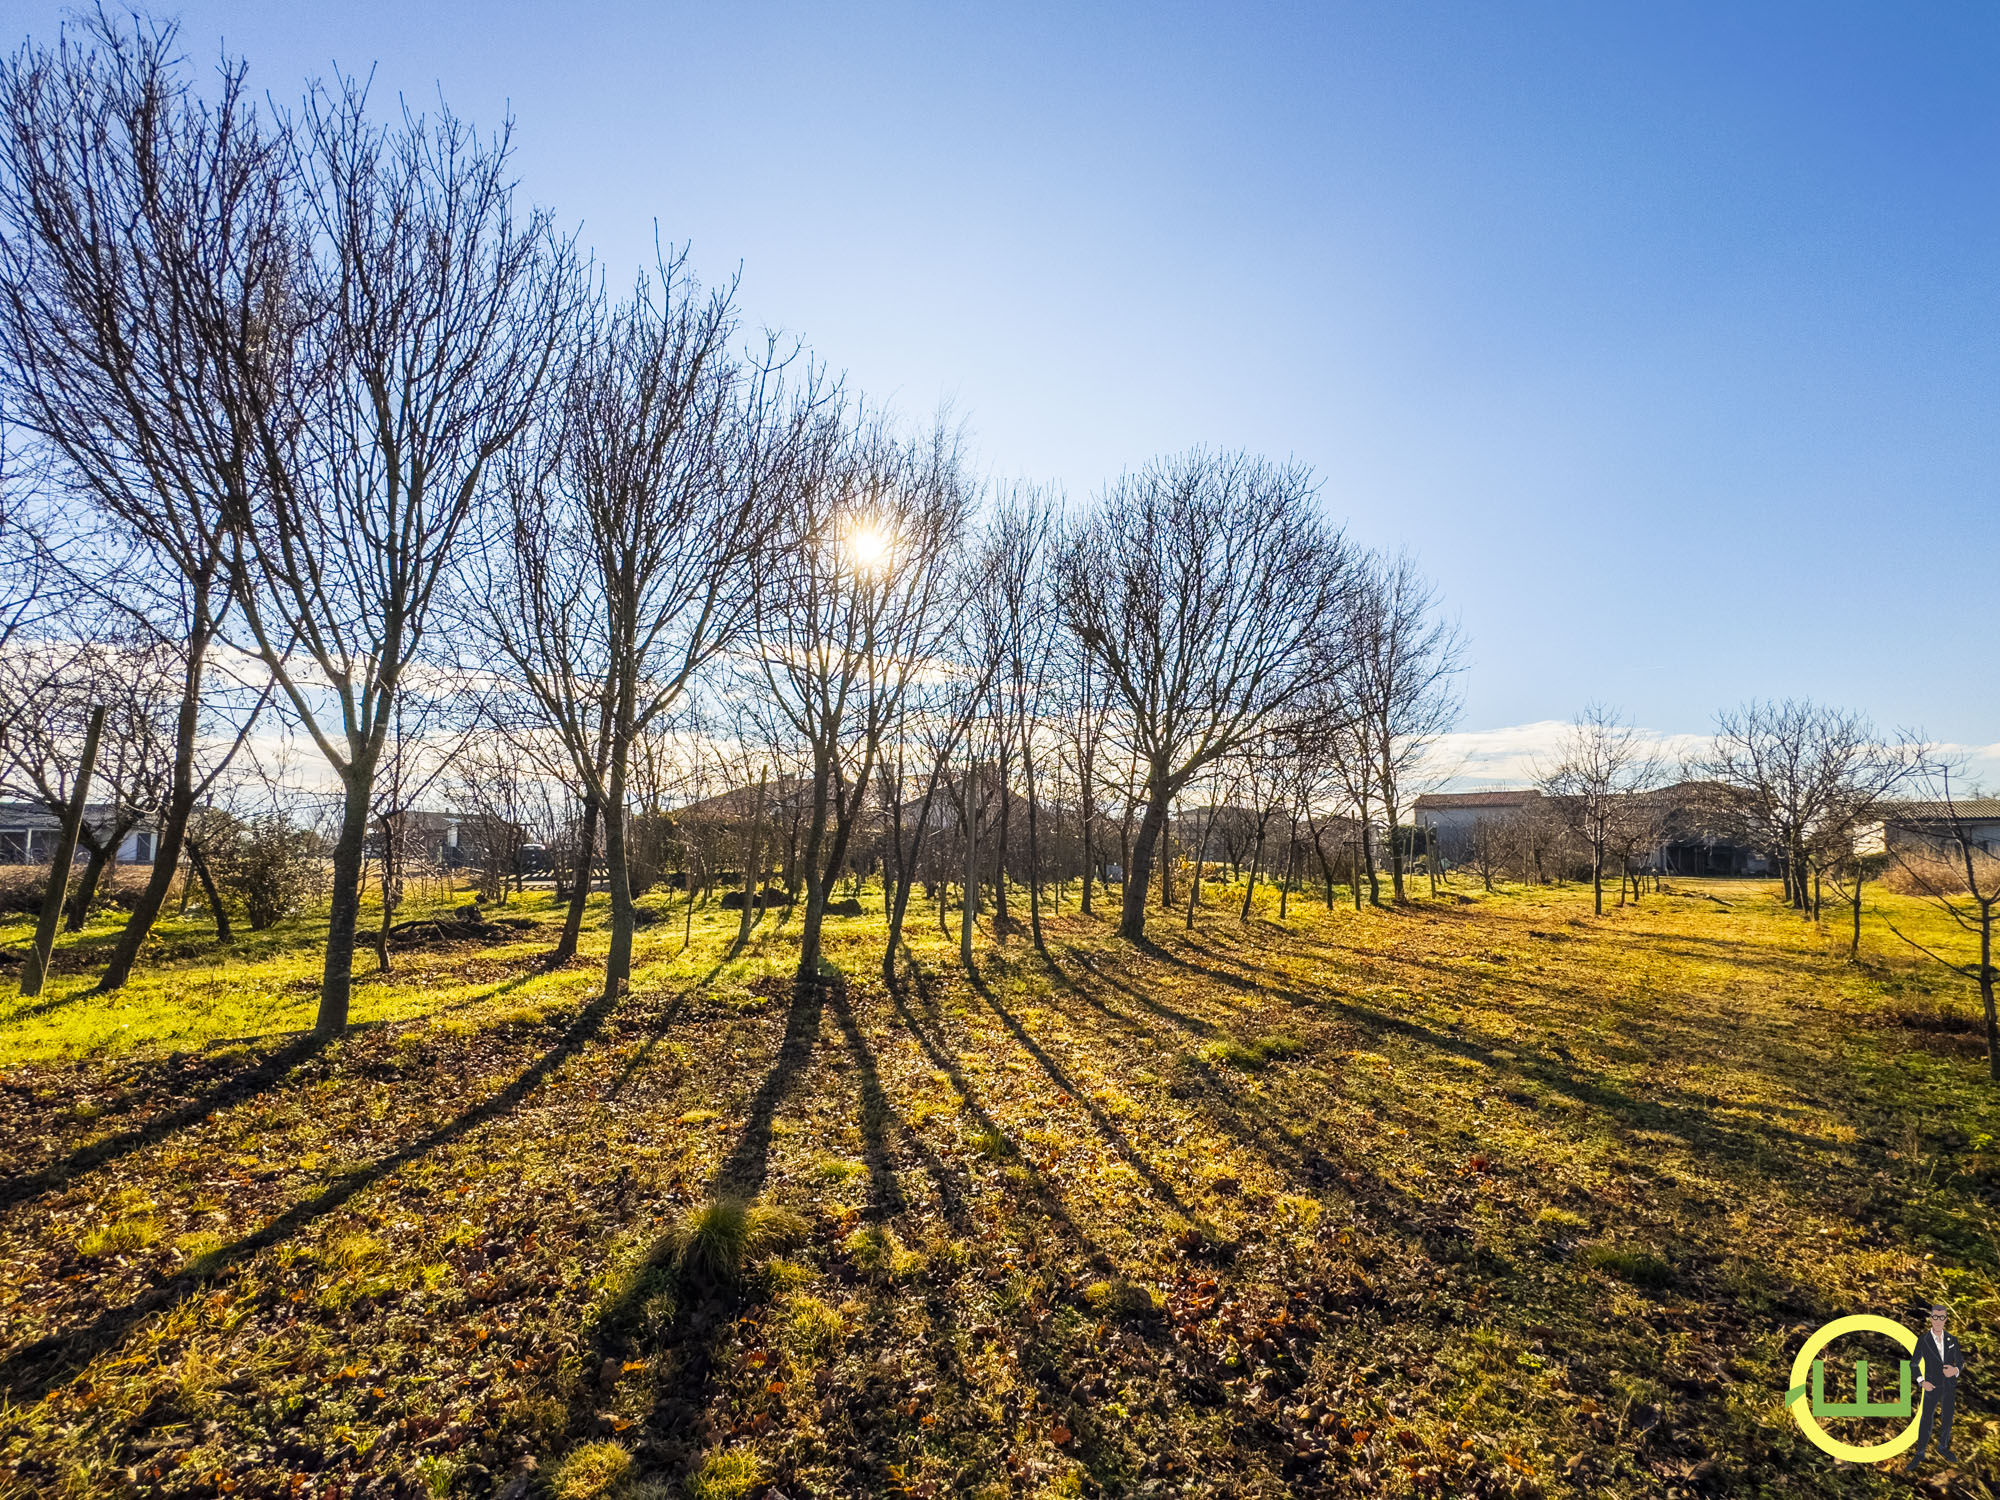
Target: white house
x,y
28,834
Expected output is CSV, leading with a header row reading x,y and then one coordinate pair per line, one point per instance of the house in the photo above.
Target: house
x,y
1937,827
28,834
1693,836
1455,818
449,840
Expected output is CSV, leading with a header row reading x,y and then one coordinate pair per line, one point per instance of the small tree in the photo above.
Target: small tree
x,y
1597,785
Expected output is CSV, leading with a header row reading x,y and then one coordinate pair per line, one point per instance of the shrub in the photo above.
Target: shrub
x,y
593,1470
276,868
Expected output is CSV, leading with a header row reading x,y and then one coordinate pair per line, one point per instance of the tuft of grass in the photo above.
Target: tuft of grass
x,y
119,1236
1251,1056
715,1243
725,1476
875,1250
438,1474
813,1326
594,1470
352,1252
1640,1267
835,1169
1561,1218
1122,1298
992,1144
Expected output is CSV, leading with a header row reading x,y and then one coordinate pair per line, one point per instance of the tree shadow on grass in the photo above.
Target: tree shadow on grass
x,y
31,1371
1113,1136
230,1091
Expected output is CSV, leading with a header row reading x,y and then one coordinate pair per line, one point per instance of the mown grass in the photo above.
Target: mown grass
x,y
1486,1196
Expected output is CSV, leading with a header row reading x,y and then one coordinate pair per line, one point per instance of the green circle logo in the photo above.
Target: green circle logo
x,y
1802,1409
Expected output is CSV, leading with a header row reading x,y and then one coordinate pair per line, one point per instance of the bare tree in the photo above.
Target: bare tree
x,y
139,224
432,316
625,561
1398,687
1596,785
1797,778
1954,866
138,687
1196,587
849,613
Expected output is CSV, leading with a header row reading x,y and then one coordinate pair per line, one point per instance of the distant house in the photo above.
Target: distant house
x,y
1936,827
1454,818
449,840
28,834
1691,840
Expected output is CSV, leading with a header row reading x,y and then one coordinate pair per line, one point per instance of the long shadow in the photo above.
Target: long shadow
x,y
1693,1121
749,1162
947,1064
658,1029
33,1370
227,1093
1159,1008
1115,1137
885,1194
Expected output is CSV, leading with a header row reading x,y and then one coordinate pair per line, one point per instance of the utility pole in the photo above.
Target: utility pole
x,y
37,967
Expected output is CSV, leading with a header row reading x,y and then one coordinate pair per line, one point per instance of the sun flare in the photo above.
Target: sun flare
x,y
868,544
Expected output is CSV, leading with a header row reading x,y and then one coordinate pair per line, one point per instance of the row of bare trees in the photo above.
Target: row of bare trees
x,y
335,440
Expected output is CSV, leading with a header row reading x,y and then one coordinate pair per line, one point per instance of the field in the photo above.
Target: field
x,y
1481,1197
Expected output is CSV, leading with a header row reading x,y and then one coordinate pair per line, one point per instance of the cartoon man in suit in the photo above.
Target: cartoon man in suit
x,y
1938,1362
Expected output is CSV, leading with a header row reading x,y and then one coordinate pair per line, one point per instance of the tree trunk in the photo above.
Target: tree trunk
x,y
906,876
336,984
1854,940
180,806
37,967
1256,864
1285,890
1200,859
751,853
77,912
1368,862
1139,877
223,932
586,861
1089,853
1986,989
389,888
618,961
969,895
1034,848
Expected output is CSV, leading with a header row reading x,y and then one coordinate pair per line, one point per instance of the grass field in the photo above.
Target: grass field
x,y
1483,1197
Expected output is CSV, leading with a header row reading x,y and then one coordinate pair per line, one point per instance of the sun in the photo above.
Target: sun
x,y
868,545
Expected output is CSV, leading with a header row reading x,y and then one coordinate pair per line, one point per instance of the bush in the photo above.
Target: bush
x,y
277,868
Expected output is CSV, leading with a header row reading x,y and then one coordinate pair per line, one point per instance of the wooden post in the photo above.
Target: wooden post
x,y
37,966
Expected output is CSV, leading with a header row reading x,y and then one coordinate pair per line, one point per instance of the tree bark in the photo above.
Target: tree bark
x,y
969,896
223,932
1368,862
180,805
751,854
1139,877
36,969
617,962
586,861
77,911
336,985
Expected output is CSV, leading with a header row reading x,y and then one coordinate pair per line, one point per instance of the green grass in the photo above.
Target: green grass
x,y
1484,1198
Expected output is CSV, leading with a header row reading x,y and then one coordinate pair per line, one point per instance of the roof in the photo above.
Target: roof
x,y
1447,801
1977,809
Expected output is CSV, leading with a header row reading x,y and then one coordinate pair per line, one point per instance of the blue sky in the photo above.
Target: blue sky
x,y
1665,336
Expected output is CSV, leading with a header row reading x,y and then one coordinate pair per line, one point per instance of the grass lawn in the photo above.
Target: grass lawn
x,y
1484,1197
